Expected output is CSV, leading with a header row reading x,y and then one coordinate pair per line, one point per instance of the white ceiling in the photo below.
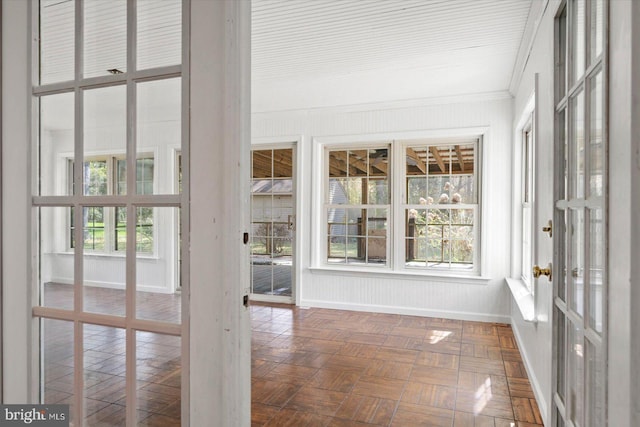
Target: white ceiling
x,y
314,53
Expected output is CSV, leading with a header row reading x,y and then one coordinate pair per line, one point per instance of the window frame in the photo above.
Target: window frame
x,y
527,202
396,223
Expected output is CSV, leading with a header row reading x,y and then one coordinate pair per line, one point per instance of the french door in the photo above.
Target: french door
x,y
580,215
273,223
109,110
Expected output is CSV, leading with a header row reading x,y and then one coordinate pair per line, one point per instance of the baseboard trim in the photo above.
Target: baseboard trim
x,y
533,379
457,315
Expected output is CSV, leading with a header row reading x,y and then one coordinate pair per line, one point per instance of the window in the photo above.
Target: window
x,y
441,206
357,206
527,205
437,202
105,227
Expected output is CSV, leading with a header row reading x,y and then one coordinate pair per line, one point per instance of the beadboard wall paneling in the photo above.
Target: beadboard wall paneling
x,y
477,300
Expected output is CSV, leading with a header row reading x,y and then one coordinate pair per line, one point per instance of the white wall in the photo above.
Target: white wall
x,y
428,295
535,339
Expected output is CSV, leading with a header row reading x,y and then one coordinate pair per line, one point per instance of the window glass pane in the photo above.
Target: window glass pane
x,y
378,192
158,371
577,149
57,372
416,161
597,28
596,153
56,273
561,59
262,163
417,191
57,41
104,374
159,126
440,190
597,267
121,176
283,163
338,163
56,144
576,288
96,178
439,160
159,33
596,384
358,164
379,162
576,375
578,39
104,131
105,37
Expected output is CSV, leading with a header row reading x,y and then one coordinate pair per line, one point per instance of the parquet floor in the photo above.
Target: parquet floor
x,y
317,367
310,367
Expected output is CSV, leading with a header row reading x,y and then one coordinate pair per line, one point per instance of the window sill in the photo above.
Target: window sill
x,y
523,298
351,271
107,255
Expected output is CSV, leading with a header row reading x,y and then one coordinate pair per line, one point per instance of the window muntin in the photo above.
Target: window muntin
x,y
357,206
440,207
105,228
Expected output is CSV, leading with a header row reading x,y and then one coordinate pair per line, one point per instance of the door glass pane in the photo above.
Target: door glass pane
x,y
57,363
576,376
561,227
576,280
57,41
104,132
56,144
596,143
56,273
104,277
104,370
159,124
159,33
597,268
563,160
158,371
561,346
578,39
597,28
596,383
577,147
561,52
105,37
157,265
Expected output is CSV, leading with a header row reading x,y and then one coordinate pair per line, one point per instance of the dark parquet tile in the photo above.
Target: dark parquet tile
x,y
310,367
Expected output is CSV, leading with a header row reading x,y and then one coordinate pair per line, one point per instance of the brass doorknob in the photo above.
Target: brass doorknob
x,y
537,271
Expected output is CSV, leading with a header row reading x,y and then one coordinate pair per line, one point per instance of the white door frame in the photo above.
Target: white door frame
x,y
293,142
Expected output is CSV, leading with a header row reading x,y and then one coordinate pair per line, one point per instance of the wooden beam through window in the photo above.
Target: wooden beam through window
x,y
438,158
460,158
420,164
